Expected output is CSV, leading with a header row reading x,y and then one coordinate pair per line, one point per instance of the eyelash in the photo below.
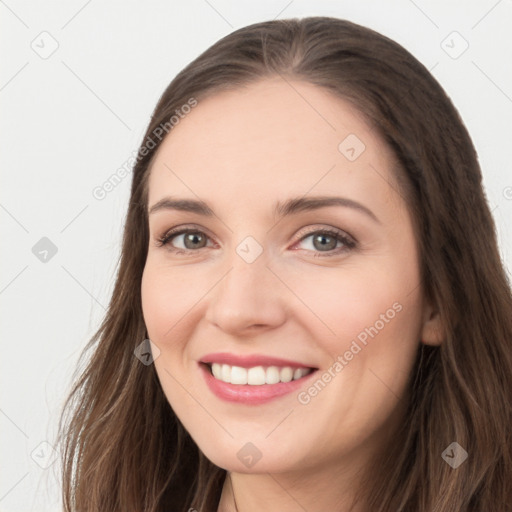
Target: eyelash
x,y
338,235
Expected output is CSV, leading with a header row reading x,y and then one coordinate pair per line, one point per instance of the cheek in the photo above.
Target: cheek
x,y
347,300
369,317
156,299
375,317
168,298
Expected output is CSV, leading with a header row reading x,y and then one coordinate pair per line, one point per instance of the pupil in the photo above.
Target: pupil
x,y
321,238
192,238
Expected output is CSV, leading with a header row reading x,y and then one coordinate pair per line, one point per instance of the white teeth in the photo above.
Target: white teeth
x,y
238,375
255,376
286,374
272,375
258,375
297,374
217,370
225,373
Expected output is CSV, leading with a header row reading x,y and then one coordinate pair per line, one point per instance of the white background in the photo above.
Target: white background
x,y
71,120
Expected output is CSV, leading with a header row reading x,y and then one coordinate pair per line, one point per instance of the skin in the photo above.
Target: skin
x,y
241,151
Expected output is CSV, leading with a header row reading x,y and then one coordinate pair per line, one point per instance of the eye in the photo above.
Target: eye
x,y
191,239
325,242
328,242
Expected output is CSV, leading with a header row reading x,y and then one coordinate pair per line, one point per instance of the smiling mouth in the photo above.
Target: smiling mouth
x,y
256,375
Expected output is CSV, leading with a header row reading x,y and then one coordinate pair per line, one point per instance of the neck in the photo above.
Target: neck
x,y
280,492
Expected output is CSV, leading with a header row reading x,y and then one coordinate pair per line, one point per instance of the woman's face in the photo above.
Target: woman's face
x,y
258,276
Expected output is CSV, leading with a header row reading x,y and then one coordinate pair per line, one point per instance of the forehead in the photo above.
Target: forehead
x,y
272,139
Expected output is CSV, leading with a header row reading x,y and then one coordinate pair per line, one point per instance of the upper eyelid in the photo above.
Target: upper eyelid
x,y
336,231
180,230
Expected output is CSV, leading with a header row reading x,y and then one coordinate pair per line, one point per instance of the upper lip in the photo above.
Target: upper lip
x,y
249,361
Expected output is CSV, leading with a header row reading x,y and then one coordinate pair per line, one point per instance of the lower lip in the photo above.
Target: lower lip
x,y
249,394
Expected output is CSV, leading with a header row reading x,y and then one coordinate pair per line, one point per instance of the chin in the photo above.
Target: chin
x,y
246,457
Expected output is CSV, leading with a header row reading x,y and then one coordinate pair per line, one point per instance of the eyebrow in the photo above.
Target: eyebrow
x,y
281,209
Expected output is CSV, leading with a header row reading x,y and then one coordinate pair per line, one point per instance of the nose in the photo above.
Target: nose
x,y
249,298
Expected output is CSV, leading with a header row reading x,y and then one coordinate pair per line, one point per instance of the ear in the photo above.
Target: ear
x,y
432,332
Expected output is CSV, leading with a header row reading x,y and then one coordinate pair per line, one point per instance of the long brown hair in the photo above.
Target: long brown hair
x,y
124,449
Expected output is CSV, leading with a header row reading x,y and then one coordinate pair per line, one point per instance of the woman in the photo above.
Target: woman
x,y
310,311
